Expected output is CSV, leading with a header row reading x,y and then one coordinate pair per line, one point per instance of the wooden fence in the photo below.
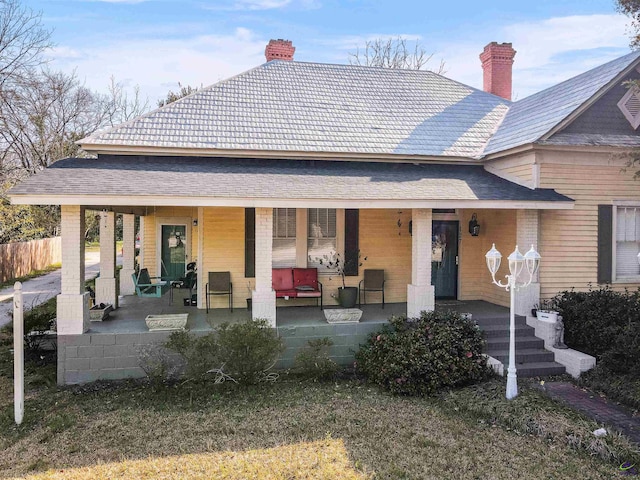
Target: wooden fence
x,y
18,259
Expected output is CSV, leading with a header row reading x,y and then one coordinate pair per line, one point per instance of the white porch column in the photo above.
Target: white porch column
x,y
200,286
528,222
128,254
73,301
264,298
420,294
106,283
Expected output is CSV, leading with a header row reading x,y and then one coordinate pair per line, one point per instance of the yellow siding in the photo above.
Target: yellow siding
x,y
223,246
385,249
569,238
520,167
496,226
149,241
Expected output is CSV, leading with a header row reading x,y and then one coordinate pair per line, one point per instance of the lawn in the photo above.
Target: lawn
x,y
292,429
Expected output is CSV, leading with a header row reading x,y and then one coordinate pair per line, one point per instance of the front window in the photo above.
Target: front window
x,y
627,241
321,235
284,237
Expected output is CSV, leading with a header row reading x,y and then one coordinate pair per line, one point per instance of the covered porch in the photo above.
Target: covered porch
x,y
225,214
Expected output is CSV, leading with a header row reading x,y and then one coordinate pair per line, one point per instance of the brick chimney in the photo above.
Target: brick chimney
x,y
497,63
279,50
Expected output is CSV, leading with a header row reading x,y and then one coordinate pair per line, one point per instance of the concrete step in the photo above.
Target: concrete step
x,y
523,355
492,331
502,343
499,320
538,369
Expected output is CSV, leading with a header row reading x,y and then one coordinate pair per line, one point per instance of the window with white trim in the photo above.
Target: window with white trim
x,y
284,237
322,235
627,241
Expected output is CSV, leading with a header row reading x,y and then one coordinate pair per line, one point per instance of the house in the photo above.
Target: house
x,y
291,160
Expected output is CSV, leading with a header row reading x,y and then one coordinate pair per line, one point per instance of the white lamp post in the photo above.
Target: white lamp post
x,y
516,263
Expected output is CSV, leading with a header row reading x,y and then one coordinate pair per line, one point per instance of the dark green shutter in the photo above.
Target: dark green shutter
x,y
249,242
605,243
351,248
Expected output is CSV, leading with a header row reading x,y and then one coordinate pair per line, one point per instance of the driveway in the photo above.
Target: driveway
x,y
39,290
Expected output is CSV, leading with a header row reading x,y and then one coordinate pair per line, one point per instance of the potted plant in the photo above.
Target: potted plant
x,y
347,296
546,312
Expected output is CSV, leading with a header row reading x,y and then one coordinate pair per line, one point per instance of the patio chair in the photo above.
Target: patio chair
x,y
145,287
219,284
373,281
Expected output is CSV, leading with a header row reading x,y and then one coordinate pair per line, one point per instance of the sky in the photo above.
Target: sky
x,y
156,44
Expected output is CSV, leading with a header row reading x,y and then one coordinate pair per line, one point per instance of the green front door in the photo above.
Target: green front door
x,y
444,258
174,251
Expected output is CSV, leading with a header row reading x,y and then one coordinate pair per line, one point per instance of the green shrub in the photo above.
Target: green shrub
x,y
423,355
248,350
157,364
314,362
200,353
242,352
595,320
605,324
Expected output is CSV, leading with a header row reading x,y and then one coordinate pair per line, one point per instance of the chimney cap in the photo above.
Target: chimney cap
x,y
279,50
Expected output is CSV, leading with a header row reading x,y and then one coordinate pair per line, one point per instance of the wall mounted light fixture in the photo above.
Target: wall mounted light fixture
x,y
474,226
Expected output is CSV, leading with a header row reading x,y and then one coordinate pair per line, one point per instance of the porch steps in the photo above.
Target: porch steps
x,y
532,360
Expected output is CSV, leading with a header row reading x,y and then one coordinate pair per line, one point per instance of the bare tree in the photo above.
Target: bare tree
x,y
631,8
173,96
120,107
23,39
42,117
394,53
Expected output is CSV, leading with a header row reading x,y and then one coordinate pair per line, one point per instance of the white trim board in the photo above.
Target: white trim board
x,y
192,201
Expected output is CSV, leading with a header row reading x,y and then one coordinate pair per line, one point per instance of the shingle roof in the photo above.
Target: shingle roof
x,y
592,139
531,118
135,177
310,107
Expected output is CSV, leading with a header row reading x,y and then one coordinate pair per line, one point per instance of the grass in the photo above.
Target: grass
x,y
30,275
293,429
95,246
621,388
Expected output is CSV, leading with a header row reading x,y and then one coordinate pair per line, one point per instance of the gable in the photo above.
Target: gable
x,y
605,117
532,118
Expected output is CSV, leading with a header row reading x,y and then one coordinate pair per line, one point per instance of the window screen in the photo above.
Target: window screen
x,y
627,241
284,237
321,235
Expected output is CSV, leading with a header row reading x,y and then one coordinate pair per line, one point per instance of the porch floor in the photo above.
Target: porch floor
x,y
129,317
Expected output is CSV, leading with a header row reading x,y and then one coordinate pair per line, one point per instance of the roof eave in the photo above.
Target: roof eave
x,y
196,201
107,149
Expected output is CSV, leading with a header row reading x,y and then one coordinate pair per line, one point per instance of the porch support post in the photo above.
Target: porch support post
x,y
527,234
420,294
128,254
73,301
264,298
106,282
201,282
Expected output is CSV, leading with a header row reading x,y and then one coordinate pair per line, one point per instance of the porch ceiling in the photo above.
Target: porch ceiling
x,y
193,181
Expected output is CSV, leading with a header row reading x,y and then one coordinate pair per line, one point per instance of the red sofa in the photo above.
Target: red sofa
x,y
297,283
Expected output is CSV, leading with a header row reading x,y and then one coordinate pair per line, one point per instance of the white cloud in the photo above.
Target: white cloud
x,y
252,5
548,51
157,65
117,1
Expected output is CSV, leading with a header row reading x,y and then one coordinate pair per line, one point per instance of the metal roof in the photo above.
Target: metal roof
x,y
311,107
529,119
